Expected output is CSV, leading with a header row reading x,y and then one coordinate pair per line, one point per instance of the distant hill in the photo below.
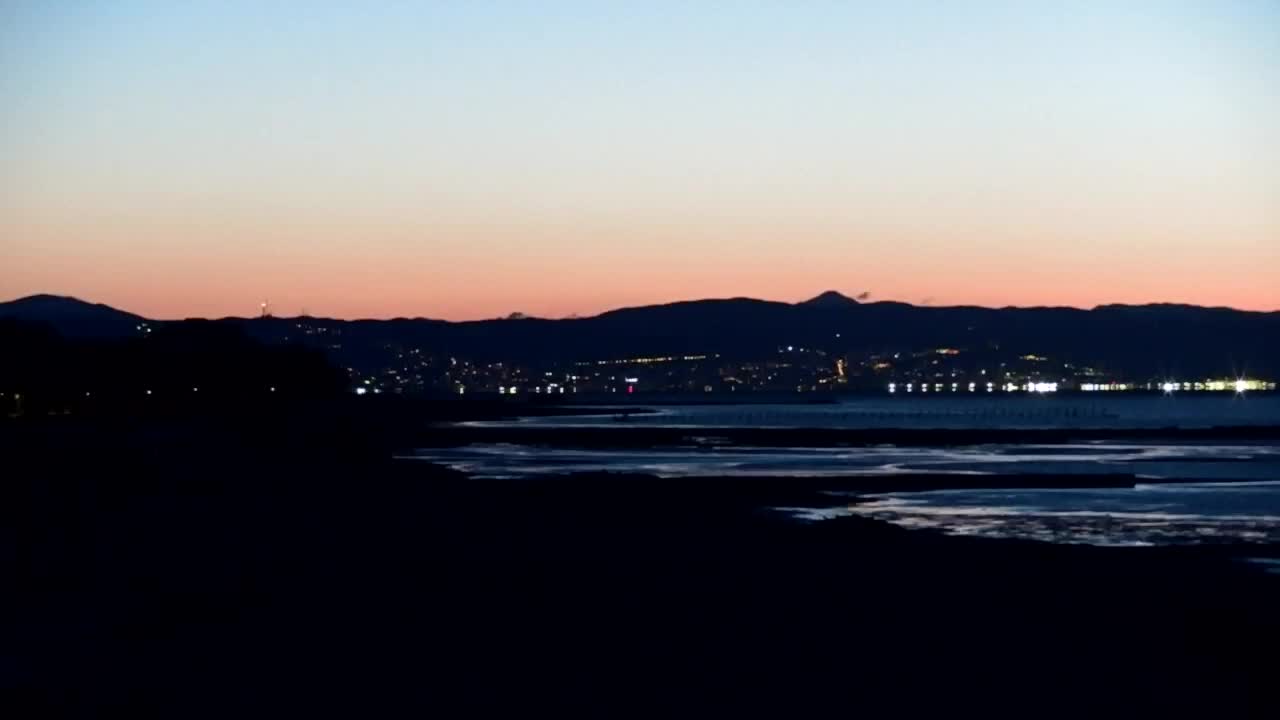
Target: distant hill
x,y
71,317
829,299
1143,340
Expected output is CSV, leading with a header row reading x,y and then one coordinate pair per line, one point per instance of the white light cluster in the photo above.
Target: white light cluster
x,y
1239,386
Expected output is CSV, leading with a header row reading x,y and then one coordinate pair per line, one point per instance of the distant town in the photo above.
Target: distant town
x,y
734,350
784,370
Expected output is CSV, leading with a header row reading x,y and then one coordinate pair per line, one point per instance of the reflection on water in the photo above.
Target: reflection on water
x,y
1240,504
978,411
1143,515
1150,460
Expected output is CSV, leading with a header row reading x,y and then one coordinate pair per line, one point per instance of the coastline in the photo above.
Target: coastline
x,y
455,434
281,562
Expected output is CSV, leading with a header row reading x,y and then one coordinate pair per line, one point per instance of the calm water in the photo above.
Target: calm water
x,y
1239,502
964,410
1149,514
1234,495
1153,461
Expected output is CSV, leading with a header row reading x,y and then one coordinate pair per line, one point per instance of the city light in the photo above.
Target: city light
x,y
361,391
808,369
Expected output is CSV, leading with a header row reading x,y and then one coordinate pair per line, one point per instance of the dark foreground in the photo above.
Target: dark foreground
x,y
186,571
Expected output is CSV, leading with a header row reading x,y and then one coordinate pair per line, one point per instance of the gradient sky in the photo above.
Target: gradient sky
x,y
470,159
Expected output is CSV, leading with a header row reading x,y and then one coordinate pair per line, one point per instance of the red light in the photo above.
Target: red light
x,y
631,388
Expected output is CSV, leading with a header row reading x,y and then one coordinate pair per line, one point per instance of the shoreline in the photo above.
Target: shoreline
x,y
849,483
219,570
456,434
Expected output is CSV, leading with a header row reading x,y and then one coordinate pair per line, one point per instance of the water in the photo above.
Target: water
x,y
963,411
1148,514
1225,492
1237,500
1153,461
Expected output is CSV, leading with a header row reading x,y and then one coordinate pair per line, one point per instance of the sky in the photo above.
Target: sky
x,y
469,160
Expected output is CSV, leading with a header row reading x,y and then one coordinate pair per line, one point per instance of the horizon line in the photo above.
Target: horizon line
x,y
525,316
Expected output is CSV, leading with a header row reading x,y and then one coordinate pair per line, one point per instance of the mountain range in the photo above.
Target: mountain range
x,y
1181,340
72,317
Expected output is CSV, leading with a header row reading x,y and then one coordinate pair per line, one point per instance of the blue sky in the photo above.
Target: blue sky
x,y
983,152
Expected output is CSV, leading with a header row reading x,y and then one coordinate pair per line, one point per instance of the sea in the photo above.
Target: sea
x,y
1187,493
945,410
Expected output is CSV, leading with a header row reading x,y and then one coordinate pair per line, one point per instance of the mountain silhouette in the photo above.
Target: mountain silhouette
x,y
829,299
1138,340
72,317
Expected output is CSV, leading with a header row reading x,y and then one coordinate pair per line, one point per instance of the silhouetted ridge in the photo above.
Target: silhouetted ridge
x,y
72,317
1143,340
829,299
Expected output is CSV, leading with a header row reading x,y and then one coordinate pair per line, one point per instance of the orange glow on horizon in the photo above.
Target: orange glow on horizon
x,y
457,162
